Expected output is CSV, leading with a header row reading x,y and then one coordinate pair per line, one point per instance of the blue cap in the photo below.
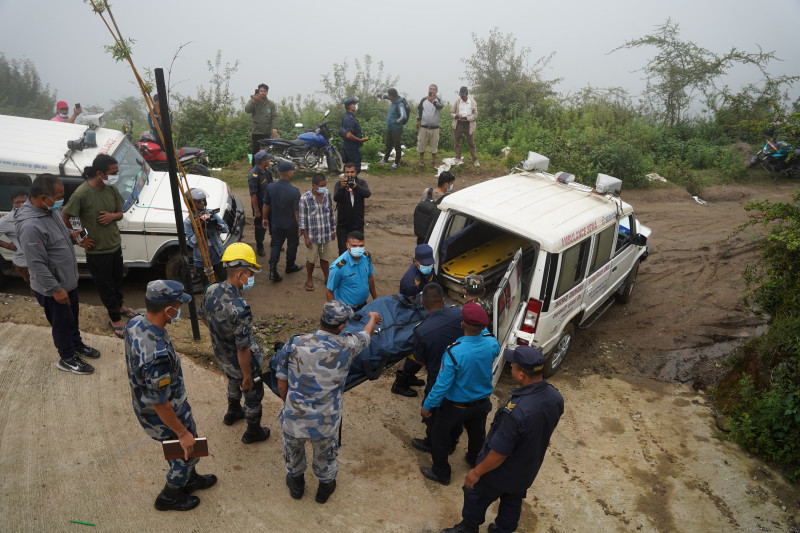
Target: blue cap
x,y
262,155
424,254
349,102
527,357
166,291
336,312
286,166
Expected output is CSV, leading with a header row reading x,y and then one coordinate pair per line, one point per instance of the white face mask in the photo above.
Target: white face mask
x,y
111,179
63,115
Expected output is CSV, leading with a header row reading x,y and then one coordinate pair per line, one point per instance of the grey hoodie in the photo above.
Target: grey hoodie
x,y
47,246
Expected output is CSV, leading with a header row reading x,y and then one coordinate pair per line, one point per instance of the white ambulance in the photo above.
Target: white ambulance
x,y
30,147
554,254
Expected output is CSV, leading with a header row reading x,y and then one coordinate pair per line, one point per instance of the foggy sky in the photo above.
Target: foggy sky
x,y
289,45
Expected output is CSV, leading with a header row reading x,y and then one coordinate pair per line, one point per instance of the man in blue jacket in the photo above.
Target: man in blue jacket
x,y
395,120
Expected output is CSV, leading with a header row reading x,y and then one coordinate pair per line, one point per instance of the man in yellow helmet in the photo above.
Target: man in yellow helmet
x,y
230,322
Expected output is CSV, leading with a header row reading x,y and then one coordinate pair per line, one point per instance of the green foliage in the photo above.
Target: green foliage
x,y
365,85
22,92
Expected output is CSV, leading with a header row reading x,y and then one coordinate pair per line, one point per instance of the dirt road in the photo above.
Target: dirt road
x,y
636,448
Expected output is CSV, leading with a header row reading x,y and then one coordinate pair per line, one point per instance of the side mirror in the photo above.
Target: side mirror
x,y
639,240
327,112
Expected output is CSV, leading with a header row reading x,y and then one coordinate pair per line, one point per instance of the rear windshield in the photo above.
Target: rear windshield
x,y
133,172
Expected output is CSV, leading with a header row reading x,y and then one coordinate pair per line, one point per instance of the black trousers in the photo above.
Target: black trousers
x,y
254,146
447,419
393,141
63,319
481,496
106,270
351,154
292,238
410,368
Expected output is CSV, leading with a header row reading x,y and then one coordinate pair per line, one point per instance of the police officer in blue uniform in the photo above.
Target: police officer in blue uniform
x,y
432,336
158,394
514,448
351,277
257,182
351,135
461,392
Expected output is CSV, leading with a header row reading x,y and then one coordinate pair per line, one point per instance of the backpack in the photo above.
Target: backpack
x,y
407,107
426,214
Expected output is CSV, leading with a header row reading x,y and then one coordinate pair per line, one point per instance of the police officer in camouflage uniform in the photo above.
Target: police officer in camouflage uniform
x,y
475,291
158,394
311,375
230,322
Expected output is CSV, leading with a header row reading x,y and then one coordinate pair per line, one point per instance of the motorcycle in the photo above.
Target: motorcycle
x,y
777,156
310,150
156,157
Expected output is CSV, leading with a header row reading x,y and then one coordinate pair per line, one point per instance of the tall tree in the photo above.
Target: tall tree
x,y
22,92
338,84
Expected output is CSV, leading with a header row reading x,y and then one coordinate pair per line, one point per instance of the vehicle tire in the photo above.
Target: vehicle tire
x,y
175,269
625,292
197,168
559,351
334,160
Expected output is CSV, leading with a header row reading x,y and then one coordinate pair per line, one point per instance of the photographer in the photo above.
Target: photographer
x,y
263,113
213,225
62,112
349,194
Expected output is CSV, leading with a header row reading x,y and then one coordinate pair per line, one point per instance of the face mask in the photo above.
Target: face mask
x,y
173,320
425,270
56,205
249,283
63,115
322,190
356,107
357,251
111,179
450,188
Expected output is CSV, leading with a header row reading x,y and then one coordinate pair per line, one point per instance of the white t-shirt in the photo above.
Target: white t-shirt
x,y
464,108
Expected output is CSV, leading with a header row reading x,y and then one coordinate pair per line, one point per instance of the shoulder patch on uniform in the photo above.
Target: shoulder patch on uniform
x,y
341,263
164,382
487,334
367,254
509,406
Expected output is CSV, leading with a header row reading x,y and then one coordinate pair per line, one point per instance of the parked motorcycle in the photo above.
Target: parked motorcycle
x,y
156,157
777,156
310,150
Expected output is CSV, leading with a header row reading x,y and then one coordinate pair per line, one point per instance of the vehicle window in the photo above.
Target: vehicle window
x,y
132,173
457,227
624,232
573,266
604,241
9,184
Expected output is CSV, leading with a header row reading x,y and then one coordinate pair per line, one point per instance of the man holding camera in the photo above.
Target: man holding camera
x,y
428,114
349,194
213,225
62,112
263,116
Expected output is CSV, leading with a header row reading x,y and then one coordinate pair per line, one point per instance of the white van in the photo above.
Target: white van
x,y
554,254
30,147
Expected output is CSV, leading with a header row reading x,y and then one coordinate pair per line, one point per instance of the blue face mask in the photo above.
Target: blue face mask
x,y
173,320
356,109
357,251
425,270
322,190
249,284
450,188
56,205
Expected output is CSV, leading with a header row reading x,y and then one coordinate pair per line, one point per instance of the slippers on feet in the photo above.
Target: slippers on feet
x,y
117,330
128,312
309,287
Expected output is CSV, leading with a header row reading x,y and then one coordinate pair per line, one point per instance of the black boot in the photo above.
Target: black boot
x,y
293,268
297,486
324,491
260,249
461,527
414,381
400,386
175,500
235,412
255,433
273,272
198,482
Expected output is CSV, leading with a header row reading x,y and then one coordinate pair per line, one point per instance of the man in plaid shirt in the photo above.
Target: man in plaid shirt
x,y
318,228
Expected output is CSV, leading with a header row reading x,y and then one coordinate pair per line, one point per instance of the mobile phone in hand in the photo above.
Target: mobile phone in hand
x,y
82,235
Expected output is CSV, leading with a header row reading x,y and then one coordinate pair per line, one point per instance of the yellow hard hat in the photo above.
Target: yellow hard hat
x,y
240,254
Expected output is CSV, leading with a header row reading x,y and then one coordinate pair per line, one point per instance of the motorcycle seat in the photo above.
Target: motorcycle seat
x,y
292,142
190,150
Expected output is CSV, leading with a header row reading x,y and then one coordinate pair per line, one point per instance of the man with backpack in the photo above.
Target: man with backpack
x,y
396,118
426,213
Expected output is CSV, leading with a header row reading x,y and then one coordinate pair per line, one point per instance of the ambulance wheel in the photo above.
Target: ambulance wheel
x,y
625,293
559,352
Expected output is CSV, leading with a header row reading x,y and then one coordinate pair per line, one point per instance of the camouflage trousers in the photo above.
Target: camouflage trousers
x,y
180,470
252,398
325,452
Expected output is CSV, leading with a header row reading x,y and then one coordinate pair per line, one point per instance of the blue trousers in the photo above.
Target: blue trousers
x,y
448,419
352,154
180,470
292,238
326,450
63,319
479,498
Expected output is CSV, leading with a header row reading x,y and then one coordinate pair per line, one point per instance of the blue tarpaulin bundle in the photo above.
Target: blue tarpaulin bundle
x,y
392,341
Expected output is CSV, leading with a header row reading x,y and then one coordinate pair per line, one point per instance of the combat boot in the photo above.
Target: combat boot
x,y
198,482
414,381
461,527
273,272
324,491
400,386
175,500
297,485
255,433
235,412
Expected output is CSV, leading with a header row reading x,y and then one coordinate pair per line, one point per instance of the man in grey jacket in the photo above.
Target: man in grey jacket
x,y
428,114
47,245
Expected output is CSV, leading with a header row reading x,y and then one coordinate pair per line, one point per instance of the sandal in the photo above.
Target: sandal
x,y
421,164
309,286
128,312
117,330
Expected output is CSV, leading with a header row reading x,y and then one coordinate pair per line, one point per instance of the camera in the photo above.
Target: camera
x,y
76,146
351,182
430,93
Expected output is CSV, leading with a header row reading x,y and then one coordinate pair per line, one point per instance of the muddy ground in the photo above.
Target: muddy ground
x,y
637,448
